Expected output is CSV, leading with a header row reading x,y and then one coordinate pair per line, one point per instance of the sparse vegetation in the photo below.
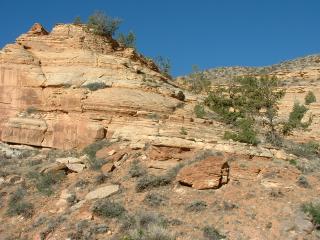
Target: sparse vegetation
x,y
198,81
154,199
211,233
137,169
128,40
303,182
45,182
199,111
153,116
104,25
308,149
313,209
31,110
95,86
310,98
164,65
295,117
246,133
18,206
91,150
108,209
243,101
196,206
146,226
152,181
183,131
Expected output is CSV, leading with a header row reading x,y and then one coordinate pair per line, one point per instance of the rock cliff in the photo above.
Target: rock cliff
x,y
45,96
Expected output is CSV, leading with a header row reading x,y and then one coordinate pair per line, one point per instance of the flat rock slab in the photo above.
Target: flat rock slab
x,y
69,160
102,192
76,167
210,173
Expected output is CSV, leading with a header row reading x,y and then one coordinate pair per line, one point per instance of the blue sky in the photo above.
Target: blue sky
x,y
207,33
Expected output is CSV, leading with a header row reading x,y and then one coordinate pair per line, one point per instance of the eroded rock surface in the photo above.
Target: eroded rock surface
x,y
45,101
210,173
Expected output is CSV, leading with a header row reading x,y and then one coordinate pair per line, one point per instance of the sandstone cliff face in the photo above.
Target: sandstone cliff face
x,y
44,100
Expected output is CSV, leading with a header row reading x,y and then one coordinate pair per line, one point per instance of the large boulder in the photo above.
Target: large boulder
x,y
210,173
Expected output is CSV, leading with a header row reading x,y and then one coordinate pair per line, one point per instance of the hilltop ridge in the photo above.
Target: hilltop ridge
x,y
303,71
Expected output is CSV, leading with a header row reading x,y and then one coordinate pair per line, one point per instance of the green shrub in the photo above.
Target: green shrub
x,y
153,116
307,149
310,98
183,131
93,148
108,209
303,182
146,226
91,151
136,169
313,210
154,199
274,138
293,162
199,111
211,233
95,86
295,118
196,206
45,182
247,98
104,25
31,110
152,181
246,133
128,41
17,206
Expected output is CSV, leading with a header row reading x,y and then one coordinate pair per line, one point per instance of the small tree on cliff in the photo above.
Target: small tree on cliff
x,y
198,81
164,65
310,98
102,24
128,40
244,100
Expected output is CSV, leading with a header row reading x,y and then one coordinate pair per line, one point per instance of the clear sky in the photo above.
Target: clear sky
x,y
207,33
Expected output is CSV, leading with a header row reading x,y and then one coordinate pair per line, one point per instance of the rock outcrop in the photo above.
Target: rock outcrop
x,y
45,98
210,173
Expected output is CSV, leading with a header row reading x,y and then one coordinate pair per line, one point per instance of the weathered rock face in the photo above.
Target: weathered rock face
x,y
44,101
210,173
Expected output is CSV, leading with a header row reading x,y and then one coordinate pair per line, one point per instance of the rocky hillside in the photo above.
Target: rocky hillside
x,y
298,77
302,71
97,144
